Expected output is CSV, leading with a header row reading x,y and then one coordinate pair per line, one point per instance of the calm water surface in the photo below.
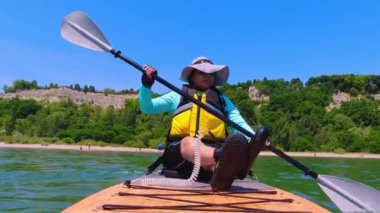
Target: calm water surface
x,y
49,181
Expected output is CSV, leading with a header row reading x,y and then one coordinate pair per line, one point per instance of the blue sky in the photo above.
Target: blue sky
x,y
257,39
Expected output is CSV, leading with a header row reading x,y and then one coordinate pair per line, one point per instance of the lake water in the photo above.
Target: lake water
x,y
49,181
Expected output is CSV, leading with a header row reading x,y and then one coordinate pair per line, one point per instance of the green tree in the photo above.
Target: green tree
x,y
19,85
129,112
326,139
280,132
77,87
10,125
91,88
85,88
362,112
374,141
108,91
109,116
302,143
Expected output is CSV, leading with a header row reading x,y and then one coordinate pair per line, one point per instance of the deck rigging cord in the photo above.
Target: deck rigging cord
x,y
165,181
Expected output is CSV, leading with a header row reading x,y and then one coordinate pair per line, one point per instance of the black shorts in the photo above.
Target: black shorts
x,y
174,161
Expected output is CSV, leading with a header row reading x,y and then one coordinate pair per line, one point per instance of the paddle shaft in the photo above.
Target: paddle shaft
x,y
297,164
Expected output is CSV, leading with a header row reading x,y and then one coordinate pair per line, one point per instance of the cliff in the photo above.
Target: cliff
x,y
64,93
337,98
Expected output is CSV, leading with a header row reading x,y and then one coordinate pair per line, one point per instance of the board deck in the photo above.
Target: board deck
x,y
244,196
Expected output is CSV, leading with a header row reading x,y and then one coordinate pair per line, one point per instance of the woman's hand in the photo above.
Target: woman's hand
x,y
147,78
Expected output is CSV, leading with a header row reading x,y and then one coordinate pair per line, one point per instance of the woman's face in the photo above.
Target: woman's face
x,y
202,81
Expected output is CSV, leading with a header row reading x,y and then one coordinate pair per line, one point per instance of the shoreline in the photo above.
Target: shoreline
x,y
93,148
77,147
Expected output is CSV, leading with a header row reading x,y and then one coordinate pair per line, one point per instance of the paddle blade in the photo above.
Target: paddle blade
x,y
350,196
79,29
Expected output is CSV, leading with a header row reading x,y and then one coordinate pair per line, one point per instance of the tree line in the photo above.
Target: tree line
x,y
295,114
20,85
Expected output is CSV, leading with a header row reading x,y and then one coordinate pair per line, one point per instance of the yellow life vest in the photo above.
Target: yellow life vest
x,y
189,117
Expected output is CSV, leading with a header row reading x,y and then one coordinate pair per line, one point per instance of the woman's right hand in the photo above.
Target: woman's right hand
x,y
147,77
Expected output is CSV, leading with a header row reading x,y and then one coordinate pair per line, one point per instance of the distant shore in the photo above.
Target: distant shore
x,y
147,150
77,147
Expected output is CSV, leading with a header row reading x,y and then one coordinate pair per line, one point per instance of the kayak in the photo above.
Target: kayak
x,y
244,196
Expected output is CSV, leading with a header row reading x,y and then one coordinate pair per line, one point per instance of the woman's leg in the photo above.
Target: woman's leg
x,y
207,153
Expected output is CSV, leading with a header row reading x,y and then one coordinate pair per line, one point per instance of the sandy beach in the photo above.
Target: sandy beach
x,y
93,148
77,147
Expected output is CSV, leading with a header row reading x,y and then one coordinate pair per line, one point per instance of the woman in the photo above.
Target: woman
x,y
225,162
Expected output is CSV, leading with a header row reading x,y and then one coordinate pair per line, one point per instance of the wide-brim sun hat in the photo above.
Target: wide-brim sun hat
x,y
205,65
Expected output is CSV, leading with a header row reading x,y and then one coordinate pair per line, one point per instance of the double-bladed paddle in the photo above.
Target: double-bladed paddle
x,y
348,195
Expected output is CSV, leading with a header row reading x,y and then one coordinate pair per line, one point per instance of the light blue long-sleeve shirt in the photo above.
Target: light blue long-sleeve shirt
x,y
170,101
